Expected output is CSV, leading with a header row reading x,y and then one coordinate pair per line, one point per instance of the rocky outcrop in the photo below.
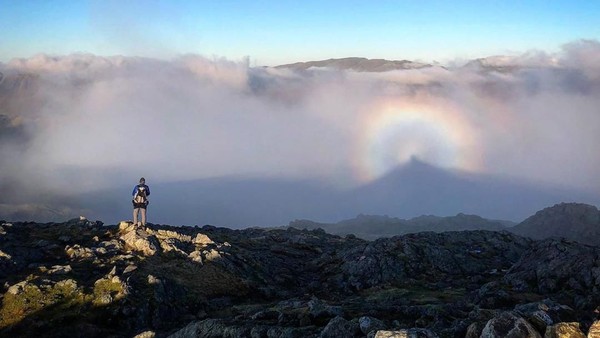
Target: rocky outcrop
x,y
559,267
452,258
574,221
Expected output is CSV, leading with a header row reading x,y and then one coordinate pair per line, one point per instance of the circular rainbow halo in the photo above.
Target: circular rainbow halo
x,y
396,132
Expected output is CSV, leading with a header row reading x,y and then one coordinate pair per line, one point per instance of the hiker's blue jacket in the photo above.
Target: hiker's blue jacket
x,y
141,185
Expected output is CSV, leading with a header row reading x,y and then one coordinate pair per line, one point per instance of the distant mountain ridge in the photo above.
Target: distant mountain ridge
x,y
358,64
573,221
371,227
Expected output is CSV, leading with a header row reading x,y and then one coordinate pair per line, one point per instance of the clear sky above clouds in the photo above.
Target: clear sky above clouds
x,y
276,32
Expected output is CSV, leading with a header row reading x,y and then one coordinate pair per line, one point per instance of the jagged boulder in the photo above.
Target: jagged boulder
x,y
140,240
79,252
545,313
339,327
202,240
508,325
474,329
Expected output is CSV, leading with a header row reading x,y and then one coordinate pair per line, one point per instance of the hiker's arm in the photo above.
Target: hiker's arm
x,y
134,191
147,191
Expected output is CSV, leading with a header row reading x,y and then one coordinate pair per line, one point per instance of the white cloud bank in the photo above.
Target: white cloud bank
x,y
83,122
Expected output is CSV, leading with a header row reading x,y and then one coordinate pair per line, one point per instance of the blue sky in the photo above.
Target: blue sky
x,y
275,32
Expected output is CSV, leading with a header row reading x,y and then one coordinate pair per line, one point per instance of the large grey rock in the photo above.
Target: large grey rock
x,y
338,327
368,324
474,330
508,325
537,313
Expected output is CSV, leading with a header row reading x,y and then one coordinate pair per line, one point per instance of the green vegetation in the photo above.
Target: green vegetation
x,y
107,289
63,296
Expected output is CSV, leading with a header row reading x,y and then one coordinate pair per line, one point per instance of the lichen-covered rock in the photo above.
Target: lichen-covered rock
x,y
564,330
145,334
60,270
196,256
79,252
202,240
109,289
594,331
508,325
140,240
165,234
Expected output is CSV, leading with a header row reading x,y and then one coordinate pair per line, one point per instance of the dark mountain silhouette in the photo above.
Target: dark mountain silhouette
x,y
418,188
411,190
574,221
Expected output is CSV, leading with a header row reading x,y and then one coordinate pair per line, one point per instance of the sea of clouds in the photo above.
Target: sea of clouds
x,y
81,123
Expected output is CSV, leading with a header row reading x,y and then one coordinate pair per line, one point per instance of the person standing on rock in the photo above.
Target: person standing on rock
x,y
140,201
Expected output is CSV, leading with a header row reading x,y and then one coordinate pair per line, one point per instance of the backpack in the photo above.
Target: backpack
x,y
140,195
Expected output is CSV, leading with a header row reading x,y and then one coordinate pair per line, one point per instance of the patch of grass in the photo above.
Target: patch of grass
x,y
15,308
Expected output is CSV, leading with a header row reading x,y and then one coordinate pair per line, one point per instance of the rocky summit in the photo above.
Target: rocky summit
x,y
86,279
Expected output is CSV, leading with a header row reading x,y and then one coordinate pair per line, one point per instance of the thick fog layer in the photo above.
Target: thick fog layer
x,y
78,124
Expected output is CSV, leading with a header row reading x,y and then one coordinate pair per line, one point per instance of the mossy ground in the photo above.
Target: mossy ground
x,y
63,298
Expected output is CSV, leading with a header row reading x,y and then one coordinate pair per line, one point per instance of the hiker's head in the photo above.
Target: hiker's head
x,y
142,180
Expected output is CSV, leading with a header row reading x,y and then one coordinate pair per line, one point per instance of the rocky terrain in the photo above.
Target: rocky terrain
x,y
85,279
